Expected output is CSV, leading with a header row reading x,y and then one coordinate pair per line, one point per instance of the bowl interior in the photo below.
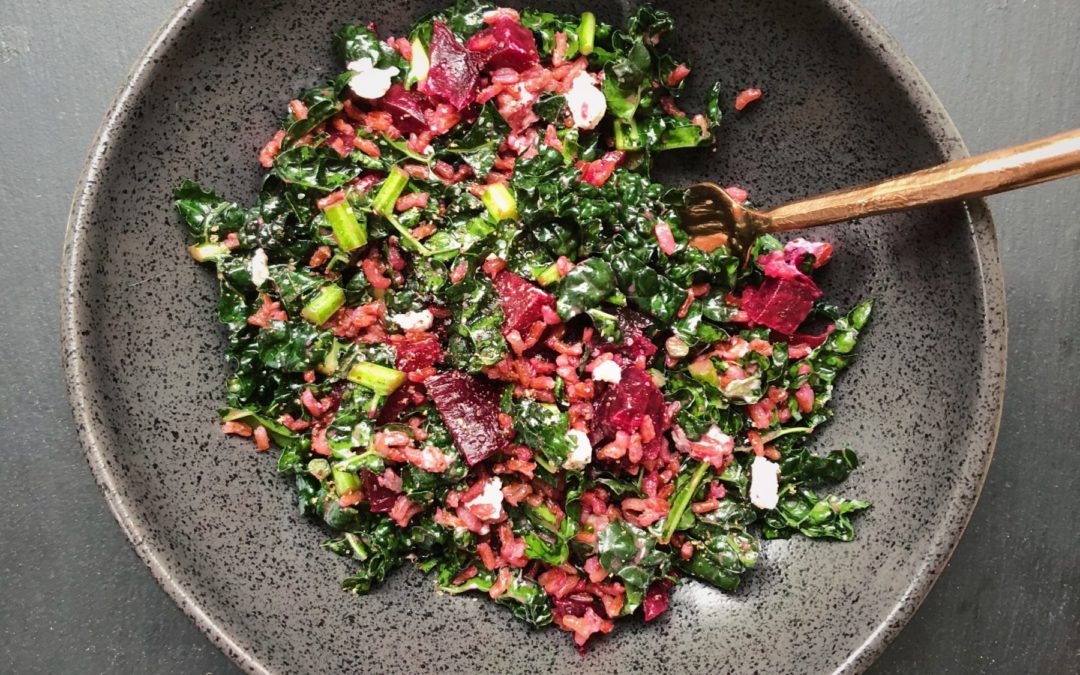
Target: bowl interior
x,y
219,527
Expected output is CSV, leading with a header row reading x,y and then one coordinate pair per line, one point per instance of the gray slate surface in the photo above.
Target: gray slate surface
x,y
75,598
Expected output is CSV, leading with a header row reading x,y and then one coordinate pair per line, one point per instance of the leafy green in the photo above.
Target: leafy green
x,y
475,331
585,287
354,42
478,143
542,427
645,288
546,24
205,212
805,512
624,79
292,346
524,597
720,558
630,554
319,168
322,103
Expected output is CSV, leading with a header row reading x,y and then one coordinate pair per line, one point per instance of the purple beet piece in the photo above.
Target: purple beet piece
x,y
469,406
622,406
406,107
633,325
397,403
575,605
634,343
507,44
656,598
780,304
454,72
417,352
522,302
380,498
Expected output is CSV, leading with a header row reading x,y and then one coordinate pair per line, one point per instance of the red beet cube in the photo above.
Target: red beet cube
x,y
522,302
633,325
455,70
507,44
406,107
780,304
469,407
622,406
656,598
380,498
417,352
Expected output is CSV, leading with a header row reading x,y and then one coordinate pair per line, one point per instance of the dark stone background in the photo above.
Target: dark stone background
x,y
75,598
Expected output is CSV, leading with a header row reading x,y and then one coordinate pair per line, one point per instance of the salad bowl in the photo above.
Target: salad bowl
x,y
219,528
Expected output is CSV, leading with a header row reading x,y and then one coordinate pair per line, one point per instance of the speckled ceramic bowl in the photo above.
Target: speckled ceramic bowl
x,y
218,527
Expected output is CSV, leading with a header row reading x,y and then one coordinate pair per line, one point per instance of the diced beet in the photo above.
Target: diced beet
x,y
417,352
633,325
397,403
469,406
780,304
380,498
622,406
406,107
522,302
656,598
454,72
574,605
507,44
812,341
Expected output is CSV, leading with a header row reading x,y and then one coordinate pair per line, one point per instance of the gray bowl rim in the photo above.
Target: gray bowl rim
x,y
893,59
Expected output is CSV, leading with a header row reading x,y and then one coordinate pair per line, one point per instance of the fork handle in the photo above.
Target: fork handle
x,y
999,171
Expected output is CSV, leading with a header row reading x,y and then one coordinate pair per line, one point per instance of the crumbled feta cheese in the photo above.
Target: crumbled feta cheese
x,y
764,483
367,80
490,501
260,271
580,452
421,320
607,371
586,102
716,436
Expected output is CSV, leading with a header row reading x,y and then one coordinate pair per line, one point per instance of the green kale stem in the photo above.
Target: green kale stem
x,y
773,435
587,33
626,135
500,202
408,237
379,379
682,501
348,231
388,194
322,306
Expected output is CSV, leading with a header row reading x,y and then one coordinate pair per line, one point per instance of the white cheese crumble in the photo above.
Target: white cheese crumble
x,y
764,483
260,271
491,496
421,320
586,102
716,436
580,453
367,80
607,371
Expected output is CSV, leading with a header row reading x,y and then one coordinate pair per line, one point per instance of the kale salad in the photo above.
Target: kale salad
x,y
476,333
